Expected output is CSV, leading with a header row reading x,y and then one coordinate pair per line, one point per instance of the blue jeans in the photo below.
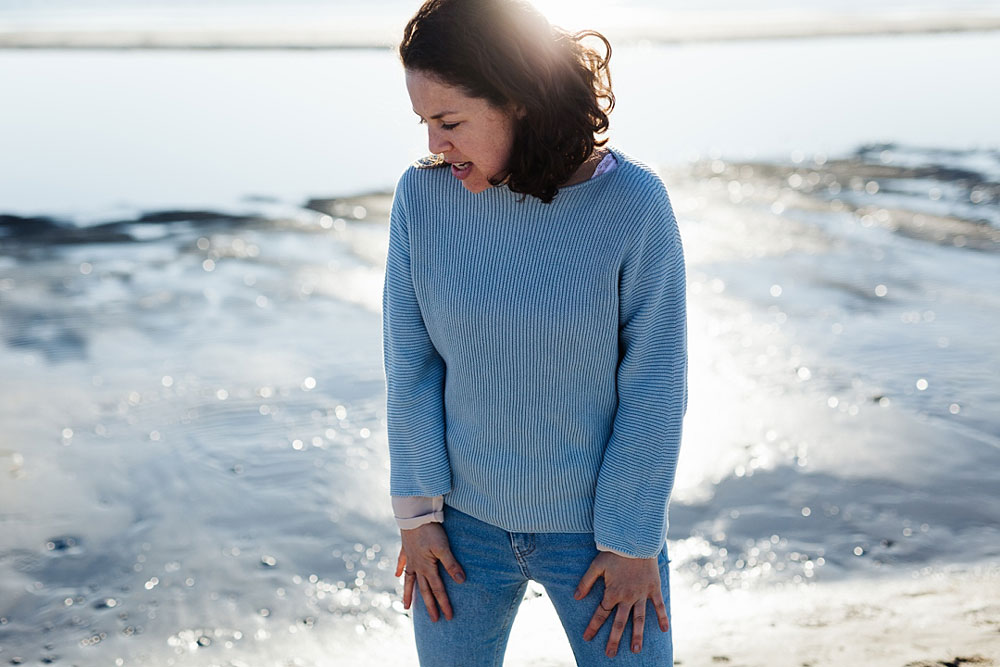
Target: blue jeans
x,y
498,565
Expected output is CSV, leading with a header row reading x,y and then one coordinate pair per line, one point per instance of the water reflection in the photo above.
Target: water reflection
x,y
197,450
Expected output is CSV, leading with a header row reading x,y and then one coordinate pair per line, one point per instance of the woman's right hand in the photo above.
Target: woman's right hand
x,y
422,548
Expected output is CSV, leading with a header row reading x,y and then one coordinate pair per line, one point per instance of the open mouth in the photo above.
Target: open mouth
x,y
460,169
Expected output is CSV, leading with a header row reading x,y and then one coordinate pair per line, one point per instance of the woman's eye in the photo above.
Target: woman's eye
x,y
444,126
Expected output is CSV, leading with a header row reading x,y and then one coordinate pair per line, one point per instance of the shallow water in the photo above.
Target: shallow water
x,y
194,453
195,467
846,327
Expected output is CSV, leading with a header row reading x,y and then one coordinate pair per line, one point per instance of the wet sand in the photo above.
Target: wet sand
x,y
194,449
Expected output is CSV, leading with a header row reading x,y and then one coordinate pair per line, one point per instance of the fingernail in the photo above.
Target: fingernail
x,y
576,595
635,648
460,577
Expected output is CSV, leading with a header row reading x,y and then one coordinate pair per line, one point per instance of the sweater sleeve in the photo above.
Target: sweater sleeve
x,y
637,471
414,374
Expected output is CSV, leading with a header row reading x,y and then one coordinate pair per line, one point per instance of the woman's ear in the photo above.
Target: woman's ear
x,y
520,111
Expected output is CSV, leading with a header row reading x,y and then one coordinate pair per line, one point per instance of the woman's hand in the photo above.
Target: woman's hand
x,y
628,583
422,548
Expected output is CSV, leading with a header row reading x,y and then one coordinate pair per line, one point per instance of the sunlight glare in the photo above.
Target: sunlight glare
x,y
577,14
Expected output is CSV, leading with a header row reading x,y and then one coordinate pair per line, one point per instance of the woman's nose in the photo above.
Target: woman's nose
x,y
436,142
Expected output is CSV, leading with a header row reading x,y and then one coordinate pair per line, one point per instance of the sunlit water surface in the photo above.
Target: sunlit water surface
x,y
194,436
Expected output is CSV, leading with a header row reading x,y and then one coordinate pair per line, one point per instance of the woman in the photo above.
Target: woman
x,y
535,346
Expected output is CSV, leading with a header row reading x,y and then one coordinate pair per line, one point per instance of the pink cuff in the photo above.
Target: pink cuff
x,y
601,547
414,511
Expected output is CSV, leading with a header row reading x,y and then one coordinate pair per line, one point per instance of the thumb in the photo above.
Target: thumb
x,y
587,582
400,562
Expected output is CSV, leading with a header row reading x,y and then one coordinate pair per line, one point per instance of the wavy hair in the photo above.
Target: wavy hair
x,y
505,51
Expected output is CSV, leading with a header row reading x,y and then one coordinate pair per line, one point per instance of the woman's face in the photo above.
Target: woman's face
x,y
472,135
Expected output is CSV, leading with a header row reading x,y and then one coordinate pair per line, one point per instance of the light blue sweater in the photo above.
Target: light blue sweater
x,y
536,355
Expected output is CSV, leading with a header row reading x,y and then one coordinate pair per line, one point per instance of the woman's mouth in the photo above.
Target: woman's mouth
x,y
460,170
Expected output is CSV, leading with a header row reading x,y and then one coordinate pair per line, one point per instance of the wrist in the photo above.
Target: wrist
x,y
418,521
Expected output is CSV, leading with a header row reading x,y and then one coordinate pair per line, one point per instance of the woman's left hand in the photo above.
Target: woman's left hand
x,y
628,583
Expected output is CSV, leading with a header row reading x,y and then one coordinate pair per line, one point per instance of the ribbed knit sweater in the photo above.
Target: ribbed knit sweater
x,y
535,354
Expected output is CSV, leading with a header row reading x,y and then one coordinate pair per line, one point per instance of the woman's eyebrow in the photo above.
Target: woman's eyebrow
x,y
439,115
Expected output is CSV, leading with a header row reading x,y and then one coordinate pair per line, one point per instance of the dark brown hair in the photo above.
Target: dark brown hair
x,y
505,52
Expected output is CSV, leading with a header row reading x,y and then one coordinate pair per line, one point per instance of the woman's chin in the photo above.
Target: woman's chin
x,y
475,182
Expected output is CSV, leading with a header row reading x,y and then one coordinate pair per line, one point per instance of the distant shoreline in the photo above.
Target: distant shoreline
x,y
665,30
